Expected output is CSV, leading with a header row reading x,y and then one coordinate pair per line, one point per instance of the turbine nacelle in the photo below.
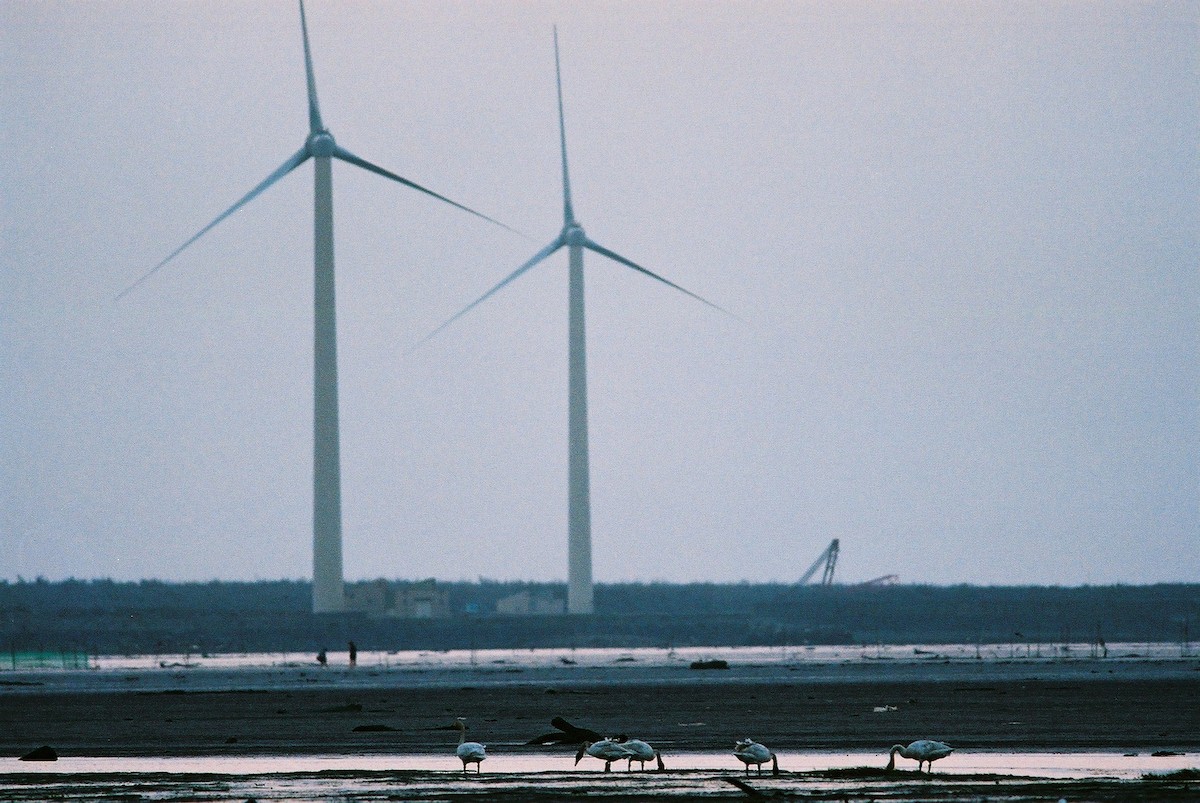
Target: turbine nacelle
x,y
572,234
321,144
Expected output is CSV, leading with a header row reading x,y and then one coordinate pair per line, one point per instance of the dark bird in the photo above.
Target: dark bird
x,y
566,734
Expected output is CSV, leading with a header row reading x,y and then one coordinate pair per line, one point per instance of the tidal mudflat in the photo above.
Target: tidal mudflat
x,y
1023,728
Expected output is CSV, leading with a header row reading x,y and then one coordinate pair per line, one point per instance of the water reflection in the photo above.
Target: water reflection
x,y
1065,765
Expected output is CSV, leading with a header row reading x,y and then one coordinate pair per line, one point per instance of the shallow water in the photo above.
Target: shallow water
x,y
647,656
1069,764
564,667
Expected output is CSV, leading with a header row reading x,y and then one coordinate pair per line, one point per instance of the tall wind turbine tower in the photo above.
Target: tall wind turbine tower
x,y
328,589
579,506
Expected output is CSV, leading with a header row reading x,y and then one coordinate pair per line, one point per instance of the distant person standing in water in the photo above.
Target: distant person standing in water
x,y
321,658
353,654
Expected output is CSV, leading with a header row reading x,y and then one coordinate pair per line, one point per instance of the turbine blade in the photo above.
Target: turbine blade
x,y
315,125
558,243
613,255
291,164
347,156
568,209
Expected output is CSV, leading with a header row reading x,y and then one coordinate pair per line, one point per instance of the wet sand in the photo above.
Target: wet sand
x,y
1052,707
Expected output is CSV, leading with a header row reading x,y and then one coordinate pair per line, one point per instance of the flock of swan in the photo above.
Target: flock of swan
x,y
747,751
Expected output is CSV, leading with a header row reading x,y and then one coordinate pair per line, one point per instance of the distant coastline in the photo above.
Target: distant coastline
x,y
108,617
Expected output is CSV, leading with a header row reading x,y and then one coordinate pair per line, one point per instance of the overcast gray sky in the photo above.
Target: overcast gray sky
x,y
964,237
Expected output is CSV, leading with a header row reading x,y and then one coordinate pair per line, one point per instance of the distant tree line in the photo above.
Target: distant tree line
x,y
146,617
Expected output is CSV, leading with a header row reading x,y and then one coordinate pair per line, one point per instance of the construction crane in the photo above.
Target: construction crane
x,y
885,580
828,558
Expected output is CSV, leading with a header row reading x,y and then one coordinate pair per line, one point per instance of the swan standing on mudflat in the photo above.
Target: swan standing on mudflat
x,y
641,752
750,752
923,750
468,752
607,750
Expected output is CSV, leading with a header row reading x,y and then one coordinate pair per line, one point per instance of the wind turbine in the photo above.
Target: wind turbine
x,y
579,506
328,587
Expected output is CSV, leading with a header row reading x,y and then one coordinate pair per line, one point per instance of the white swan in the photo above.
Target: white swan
x,y
607,750
468,752
923,750
750,752
641,752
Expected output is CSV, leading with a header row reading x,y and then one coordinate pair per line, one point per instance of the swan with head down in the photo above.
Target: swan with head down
x,y
923,751
750,752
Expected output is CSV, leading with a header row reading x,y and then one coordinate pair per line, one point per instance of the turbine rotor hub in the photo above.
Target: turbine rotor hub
x,y
321,144
573,235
